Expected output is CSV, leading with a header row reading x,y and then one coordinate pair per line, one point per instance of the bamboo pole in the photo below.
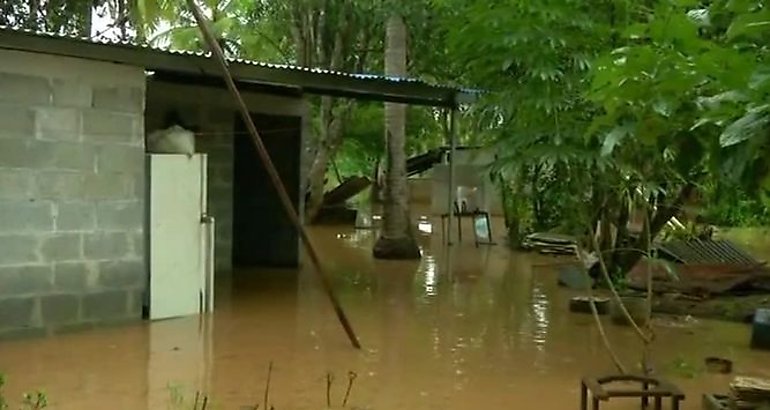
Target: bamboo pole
x,y
291,212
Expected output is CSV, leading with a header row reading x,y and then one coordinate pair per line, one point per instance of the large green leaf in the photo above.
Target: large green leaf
x,y
614,137
752,124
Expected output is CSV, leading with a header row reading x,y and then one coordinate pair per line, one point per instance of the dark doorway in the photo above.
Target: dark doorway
x,y
263,236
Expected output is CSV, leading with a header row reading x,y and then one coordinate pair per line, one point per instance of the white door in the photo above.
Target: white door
x,y
177,261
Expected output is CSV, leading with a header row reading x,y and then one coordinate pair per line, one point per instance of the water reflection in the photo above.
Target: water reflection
x,y
429,267
465,327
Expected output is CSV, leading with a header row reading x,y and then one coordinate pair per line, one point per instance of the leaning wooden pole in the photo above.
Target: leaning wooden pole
x,y
291,212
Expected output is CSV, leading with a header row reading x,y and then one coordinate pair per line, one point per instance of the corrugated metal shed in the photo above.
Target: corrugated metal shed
x,y
311,80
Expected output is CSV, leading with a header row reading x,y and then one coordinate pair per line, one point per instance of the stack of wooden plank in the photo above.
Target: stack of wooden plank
x,y
549,243
749,393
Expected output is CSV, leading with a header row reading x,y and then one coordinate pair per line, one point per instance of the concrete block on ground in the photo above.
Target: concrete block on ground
x,y
106,246
73,276
105,306
18,121
16,183
57,309
62,247
122,274
59,185
55,123
120,158
18,249
25,216
75,216
26,89
71,92
106,126
126,99
123,215
18,312
25,280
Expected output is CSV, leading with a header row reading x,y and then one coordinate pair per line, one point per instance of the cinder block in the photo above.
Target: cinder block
x,y
18,249
18,153
220,179
18,121
138,184
25,280
121,215
108,186
71,93
62,247
26,89
71,328
25,216
105,126
105,306
106,245
126,274
221,154
73,276
31,153
75,216
66,155
17,312
138,240
60,185
54,123
135,303
59,309
22,333
126,99
120,158
16,183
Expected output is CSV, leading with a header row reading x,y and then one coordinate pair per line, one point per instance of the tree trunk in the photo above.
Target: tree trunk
x,y
32,19
329,142
396,240
664,213
88,10
123,19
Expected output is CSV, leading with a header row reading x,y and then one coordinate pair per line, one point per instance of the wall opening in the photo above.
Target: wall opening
x,y
263,235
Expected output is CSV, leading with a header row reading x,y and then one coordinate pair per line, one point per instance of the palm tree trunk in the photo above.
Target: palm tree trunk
x,y
396,239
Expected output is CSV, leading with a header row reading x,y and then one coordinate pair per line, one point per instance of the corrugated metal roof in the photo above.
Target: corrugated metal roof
x,y
697,251
201,54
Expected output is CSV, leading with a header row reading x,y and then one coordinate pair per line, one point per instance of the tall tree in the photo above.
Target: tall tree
x,y
396,240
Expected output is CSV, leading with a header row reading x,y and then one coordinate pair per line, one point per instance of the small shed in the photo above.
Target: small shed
x,y
73,169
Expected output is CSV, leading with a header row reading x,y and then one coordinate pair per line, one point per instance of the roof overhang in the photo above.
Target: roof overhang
x,y
313,81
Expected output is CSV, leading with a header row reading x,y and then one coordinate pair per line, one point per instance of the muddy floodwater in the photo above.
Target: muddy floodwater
x,y
469,328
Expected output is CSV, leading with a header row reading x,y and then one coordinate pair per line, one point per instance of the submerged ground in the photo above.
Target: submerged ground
x,y
469,328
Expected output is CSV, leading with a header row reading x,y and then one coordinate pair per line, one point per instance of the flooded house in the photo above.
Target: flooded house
x,y
94,228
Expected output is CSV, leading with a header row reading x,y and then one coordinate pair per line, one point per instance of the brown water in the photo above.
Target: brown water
x,y
461,329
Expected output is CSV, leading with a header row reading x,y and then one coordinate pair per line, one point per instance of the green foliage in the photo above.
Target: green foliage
x,y
31,401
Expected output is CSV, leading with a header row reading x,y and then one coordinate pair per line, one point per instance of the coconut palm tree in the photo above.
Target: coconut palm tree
x,y
396,240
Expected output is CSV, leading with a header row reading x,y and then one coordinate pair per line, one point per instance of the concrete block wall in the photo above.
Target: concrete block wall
x,y
213,112
71,193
